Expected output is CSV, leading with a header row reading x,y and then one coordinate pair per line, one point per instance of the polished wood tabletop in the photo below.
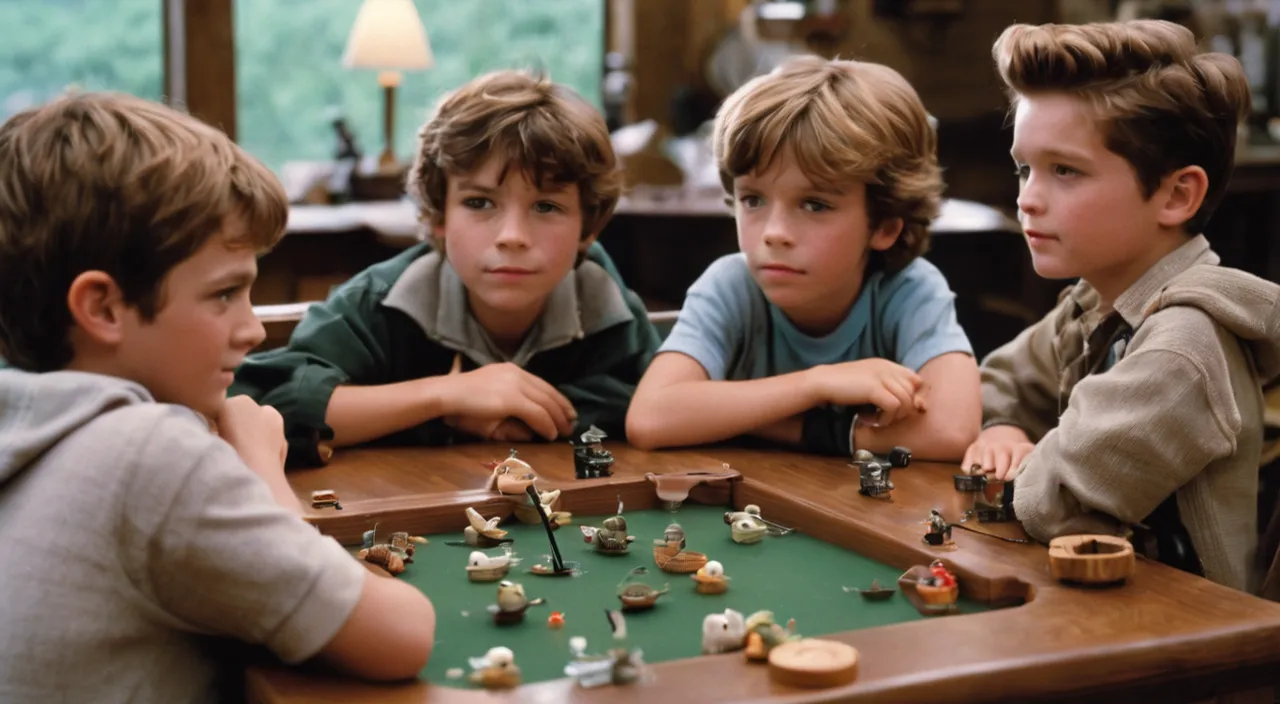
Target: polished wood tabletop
x,y
1164,634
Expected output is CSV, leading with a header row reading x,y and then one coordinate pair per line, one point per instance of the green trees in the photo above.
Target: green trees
x,y
289,76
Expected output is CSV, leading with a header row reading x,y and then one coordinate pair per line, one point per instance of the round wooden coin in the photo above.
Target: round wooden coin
x,y
812,662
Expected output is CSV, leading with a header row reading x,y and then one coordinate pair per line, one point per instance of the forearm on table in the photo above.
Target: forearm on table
x,y
920,434
696,412
788,431
358,414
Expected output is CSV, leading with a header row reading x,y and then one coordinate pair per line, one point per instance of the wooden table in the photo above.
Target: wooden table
x,y
1165,635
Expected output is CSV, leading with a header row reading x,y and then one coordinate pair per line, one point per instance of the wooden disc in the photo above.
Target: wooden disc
x,y
813,662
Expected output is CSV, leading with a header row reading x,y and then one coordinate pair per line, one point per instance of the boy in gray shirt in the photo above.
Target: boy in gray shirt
x,y
143,516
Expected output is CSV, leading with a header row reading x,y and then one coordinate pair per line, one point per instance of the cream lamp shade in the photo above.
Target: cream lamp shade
x,y
388,37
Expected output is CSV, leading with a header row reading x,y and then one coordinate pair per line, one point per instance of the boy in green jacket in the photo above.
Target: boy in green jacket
x,y
510,324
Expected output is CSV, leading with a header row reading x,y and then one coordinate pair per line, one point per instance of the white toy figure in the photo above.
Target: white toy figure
x,y
723,633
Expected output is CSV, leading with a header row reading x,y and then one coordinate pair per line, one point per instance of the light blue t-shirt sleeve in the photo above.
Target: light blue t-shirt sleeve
x,y
713,319
919,317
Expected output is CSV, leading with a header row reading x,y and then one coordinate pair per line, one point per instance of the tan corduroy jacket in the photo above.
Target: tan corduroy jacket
x,y
1161,396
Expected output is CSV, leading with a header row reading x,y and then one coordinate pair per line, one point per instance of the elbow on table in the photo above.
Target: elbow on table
x,y
646,429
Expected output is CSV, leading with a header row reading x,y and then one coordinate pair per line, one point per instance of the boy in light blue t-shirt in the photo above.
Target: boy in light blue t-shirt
x,y
826,332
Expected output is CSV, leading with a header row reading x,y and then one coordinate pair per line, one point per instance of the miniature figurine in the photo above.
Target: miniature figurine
x,y
873,477
512,476
764,634
402,545
723,633
483,568
939,534
496,670
995,502
558,567
612,539
512,603
384,557
483,533
590,459
670,558
746,525
637,596
875,592
555,621
369,538
622,666
940,588
526,512
674,534
711,578
323,498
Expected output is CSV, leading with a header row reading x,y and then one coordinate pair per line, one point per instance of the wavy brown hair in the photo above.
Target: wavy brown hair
x,y
843,121
1160,102
544,129
113,183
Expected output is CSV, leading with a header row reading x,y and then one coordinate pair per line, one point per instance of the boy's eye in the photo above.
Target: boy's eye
x,y
750,201
1060,170
227,295
546,207
477,203
815,206
1022,171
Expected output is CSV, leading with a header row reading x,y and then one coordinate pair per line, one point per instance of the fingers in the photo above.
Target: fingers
x,y
512,431
545,398
536,416
563,411
971,458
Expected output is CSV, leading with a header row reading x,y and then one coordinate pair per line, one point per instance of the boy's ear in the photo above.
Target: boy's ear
x,y
1181,195
587,242
886,234
97,306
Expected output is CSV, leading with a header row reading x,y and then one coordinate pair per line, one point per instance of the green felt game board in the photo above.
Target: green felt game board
x,y
795,576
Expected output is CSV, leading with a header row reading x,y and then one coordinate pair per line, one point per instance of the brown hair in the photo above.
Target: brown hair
x,y
842,121
1161,104
110,182
544,129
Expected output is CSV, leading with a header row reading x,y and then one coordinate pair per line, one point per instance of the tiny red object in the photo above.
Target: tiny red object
x,y
555,621
943,575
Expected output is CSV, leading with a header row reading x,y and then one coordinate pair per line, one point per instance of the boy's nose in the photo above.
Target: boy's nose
x,y
1029,199
514,232
251,334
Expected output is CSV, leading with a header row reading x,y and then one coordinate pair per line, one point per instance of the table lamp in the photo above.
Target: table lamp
x,y
388,37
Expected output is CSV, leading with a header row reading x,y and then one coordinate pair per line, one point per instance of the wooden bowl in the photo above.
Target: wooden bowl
x,y
1091,559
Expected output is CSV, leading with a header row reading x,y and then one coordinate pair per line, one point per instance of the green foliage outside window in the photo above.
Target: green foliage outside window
x,y
290,82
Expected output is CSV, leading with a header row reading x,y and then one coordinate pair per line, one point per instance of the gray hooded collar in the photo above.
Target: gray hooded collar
x,y
430,292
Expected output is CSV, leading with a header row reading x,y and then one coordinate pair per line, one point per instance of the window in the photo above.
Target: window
x,y
290,81
52,46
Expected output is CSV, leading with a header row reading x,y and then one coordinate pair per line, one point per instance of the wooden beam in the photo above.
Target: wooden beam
x,y
200,60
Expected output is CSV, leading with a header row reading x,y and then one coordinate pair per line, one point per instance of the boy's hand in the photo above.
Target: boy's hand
x,y
256,432
481,401
502,430
998,452
892,388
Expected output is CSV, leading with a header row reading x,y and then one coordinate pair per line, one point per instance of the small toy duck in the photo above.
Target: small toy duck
x,y
496,670
483,568
512,603
711,579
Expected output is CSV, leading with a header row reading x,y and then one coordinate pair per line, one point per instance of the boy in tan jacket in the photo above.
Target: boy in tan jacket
x,y
1136,404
